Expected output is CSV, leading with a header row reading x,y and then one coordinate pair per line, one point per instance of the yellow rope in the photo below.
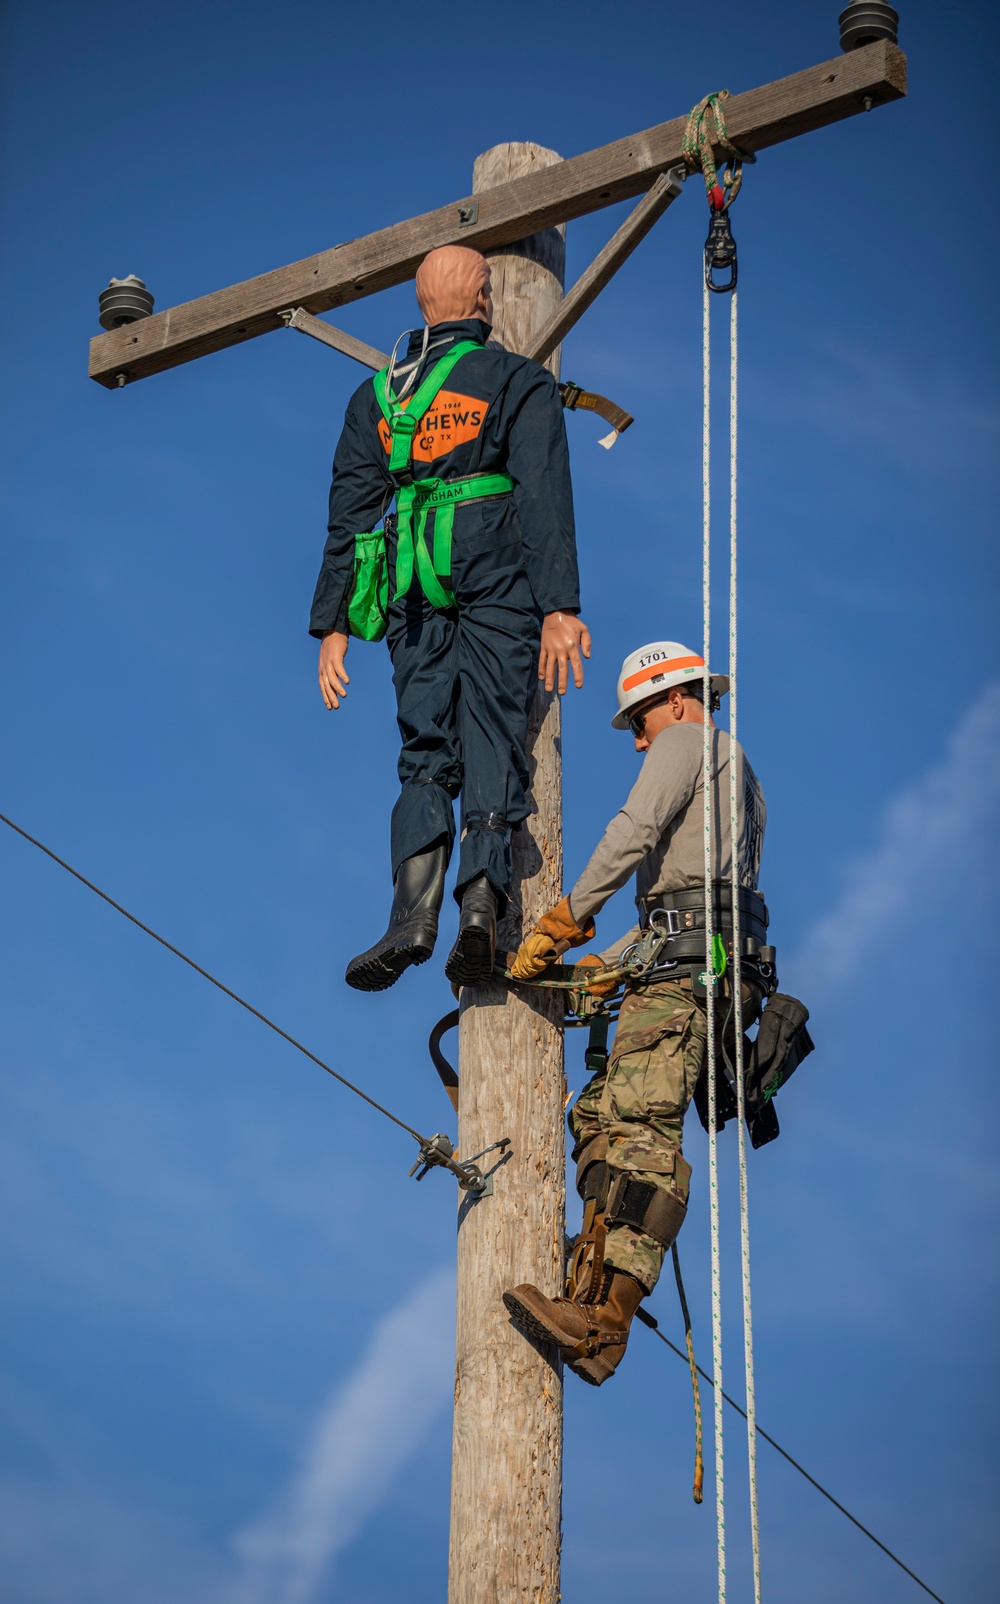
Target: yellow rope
x,y
699,1460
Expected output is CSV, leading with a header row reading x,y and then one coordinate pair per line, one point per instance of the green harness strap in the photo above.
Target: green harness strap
x,y
440,496
403,416
416,498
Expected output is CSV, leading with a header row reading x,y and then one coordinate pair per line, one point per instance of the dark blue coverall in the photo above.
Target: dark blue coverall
x,y
464,678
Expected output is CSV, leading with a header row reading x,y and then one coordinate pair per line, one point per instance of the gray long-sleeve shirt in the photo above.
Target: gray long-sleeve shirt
x,y
659,834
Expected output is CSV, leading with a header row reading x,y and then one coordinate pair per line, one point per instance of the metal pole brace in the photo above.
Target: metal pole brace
x,y
438,1152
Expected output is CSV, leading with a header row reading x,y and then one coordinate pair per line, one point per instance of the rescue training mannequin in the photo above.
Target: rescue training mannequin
x,y
627,1122
482,600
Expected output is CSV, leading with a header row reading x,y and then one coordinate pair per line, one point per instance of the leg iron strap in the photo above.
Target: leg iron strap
x,y
646,1207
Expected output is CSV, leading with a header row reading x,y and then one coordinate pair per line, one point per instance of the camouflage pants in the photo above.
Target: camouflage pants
x,y
638,1103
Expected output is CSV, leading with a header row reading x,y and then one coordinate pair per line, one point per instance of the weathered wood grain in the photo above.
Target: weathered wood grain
x,y
541,199
507,1449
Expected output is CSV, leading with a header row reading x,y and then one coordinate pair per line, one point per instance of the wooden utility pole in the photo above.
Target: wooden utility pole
x,y
506,1481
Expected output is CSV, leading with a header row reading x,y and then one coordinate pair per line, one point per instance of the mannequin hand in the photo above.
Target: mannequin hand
x,y
333,677
564,638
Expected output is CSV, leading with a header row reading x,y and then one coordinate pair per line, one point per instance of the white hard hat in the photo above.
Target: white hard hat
x,y
655,668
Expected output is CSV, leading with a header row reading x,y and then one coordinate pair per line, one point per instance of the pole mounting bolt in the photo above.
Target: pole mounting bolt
x,y
438,1151
864,21
125,300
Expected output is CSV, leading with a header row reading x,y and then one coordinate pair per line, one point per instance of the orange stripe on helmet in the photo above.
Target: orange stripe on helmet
x,y
656,669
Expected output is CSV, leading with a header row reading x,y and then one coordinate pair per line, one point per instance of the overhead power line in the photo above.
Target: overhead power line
x,y
648,1320
206,976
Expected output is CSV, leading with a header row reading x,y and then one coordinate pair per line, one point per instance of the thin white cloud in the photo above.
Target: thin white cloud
x,y
941,826
364,1434
934,420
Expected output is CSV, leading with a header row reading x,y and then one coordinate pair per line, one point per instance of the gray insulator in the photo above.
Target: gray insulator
x,y
124,301
864,21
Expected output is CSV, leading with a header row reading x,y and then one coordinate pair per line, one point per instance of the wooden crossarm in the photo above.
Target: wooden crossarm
x,y
491,218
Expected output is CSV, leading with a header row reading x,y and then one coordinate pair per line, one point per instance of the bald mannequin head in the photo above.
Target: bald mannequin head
x,y
454,282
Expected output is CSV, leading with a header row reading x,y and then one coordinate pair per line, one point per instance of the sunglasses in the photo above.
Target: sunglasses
x,y
637,724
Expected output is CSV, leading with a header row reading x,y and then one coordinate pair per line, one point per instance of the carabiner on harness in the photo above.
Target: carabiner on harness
x,y
645,955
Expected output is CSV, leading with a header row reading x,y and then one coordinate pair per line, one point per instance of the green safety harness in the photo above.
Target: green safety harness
x,y
415,499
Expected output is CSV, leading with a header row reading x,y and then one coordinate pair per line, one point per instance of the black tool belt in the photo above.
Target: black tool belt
x,y
684,914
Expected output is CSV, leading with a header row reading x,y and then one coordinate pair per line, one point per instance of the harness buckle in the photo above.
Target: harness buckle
x,y
673,925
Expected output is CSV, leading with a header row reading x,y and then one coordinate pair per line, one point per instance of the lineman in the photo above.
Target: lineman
x,y
627,1121
482,600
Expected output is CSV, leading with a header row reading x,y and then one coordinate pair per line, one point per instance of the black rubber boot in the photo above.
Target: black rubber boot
x,y
470,962
417,896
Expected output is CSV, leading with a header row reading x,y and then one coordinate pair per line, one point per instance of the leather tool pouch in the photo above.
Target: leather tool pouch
x,y
782,1043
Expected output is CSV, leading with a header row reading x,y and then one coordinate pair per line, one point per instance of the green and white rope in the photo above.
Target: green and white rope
x,y
736,972
710,978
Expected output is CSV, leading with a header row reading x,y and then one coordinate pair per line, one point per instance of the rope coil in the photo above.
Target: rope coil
x,y
697,149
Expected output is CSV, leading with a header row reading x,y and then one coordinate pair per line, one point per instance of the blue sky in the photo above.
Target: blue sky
x,y
208,1251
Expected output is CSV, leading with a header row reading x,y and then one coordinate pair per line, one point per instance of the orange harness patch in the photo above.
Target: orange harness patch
x,y
452,421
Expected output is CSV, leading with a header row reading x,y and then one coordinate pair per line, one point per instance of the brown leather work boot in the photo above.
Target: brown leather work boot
x,y
590,1336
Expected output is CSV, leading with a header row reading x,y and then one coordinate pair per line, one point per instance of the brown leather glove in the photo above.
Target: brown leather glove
x,y
561,926
535,953
584,967
554,932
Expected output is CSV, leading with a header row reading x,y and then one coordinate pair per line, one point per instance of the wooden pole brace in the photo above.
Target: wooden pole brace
x,y
607,262
304,321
